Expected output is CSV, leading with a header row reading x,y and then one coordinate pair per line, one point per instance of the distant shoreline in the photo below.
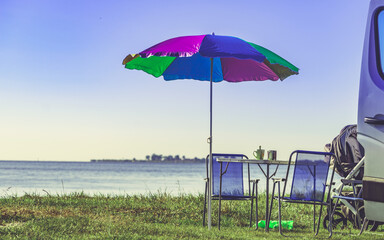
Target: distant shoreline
x,y
155,158
145,161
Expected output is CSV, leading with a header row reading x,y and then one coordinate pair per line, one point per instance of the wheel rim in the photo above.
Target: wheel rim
x,y
339,221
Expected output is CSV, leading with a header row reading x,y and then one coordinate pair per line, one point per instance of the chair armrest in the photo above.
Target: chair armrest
x,y
351,181
254,180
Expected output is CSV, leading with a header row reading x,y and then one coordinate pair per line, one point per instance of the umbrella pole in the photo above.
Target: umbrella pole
x,y
210,154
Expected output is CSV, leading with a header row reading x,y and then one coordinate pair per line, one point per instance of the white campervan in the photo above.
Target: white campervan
x,y
370,125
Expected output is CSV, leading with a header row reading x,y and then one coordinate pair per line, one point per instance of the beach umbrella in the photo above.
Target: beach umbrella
x,y
211,58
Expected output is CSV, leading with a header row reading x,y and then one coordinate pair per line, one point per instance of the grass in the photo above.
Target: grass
x,y
150,216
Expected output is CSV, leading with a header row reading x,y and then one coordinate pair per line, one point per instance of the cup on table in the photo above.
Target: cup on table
x,y
272,155
259,154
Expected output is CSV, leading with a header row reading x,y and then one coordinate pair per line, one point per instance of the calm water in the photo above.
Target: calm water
x,y
20,177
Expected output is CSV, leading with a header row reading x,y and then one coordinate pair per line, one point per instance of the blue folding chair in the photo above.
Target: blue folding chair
x,y
309,183
232,187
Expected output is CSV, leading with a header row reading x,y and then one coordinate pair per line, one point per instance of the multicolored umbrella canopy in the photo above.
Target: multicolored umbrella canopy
x,y
211,58
188,57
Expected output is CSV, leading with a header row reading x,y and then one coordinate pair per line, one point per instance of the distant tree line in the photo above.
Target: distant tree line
x,y
156,158
169,158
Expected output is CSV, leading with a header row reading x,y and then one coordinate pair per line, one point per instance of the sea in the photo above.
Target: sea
x,y
18,178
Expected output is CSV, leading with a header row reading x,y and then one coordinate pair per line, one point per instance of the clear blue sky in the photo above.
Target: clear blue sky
x,y
66,96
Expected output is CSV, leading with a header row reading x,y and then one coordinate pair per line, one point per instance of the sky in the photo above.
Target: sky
x,y
65,95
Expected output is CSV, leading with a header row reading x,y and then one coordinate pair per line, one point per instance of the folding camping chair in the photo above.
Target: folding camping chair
x,y
355,201
308,185
232,187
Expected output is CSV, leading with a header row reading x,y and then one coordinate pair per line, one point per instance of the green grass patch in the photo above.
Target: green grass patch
x,y
150,216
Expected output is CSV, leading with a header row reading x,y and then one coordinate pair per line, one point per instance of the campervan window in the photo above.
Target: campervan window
x,y
380,45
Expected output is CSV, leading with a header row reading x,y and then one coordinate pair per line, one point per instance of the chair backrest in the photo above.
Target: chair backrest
x,y
232,180
310,175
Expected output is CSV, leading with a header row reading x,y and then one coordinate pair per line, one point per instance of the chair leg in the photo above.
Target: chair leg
x,y
357,214
257,206
318,221
316,228
363,226
273,196
219,212
252,196
330,215
314,217
280,228
205,203
221,181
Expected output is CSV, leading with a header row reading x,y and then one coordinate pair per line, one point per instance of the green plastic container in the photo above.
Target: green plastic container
x,y
275,224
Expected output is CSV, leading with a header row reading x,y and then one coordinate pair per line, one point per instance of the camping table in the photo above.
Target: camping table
x,y
266,173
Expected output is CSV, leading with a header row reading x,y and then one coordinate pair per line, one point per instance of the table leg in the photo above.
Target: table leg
x,y
267,217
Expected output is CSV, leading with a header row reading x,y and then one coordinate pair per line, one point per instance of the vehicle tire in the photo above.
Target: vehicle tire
x,y
372,225
339,221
